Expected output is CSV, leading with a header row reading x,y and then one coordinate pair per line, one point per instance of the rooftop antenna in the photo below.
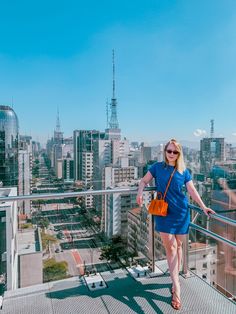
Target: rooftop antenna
x,y
113,73
212,128
58,126
107,112
113,123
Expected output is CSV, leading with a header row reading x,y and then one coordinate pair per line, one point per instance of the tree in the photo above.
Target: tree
x,y
43,222
35,171
46,238
114,250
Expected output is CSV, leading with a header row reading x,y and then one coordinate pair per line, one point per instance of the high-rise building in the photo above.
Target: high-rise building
x,y
9,141
57,143
87,176
212,150
116,212
58,135
139,229
102,157
84,141
36,147
120,149
25,172
115,206
146,153
158,153
85,149
64,168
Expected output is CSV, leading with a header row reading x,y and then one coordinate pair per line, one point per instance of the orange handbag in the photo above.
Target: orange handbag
x,y
158,205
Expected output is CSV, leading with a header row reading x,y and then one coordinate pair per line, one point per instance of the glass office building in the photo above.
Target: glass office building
x,y
9,134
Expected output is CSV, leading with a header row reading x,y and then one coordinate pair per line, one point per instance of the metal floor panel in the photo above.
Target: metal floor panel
x,y
123,295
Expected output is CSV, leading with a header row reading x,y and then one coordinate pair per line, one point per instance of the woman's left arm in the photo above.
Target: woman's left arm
x,y
196,197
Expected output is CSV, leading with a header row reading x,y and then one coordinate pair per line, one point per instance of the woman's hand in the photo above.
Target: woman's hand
x,y
139,199
143,182
208,211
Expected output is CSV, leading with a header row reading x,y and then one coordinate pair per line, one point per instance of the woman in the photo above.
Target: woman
x,y
175,225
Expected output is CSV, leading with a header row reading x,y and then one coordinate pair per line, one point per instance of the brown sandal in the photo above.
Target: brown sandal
x,y
175,303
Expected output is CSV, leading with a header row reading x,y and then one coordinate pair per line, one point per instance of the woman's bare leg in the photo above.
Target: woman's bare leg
x,y
170,244
180,238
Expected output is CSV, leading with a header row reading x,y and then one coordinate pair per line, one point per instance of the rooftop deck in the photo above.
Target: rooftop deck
x,y
123,294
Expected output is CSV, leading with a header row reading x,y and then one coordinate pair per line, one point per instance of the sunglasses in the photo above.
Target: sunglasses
x,y
172,151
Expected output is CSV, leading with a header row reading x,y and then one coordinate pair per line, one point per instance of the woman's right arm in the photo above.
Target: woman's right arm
x,y
143,182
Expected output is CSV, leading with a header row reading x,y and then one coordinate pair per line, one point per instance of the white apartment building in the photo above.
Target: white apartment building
x,y
138,230
102,158
59,168
65,165
116,205
203,261
87,176
8,245
114,175
120,148
25,177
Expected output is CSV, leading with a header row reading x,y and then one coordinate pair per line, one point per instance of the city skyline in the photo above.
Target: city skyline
x,y
175,67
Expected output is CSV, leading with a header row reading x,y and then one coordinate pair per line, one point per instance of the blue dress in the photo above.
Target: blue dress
x,y
178,216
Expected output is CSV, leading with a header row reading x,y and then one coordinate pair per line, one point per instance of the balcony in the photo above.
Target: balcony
x,y
122,295
208,285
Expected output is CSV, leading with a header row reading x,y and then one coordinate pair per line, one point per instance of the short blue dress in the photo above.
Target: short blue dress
x,y
178,217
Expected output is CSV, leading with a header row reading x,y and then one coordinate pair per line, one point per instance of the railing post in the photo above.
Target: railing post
x,y
153,244
186,256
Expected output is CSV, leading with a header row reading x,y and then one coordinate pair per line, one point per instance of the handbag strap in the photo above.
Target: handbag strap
x,y
168,184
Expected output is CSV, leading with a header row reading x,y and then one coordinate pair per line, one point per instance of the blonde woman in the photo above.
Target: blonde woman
x,y
175,225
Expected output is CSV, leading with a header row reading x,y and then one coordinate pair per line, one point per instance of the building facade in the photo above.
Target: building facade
x,y
25,173
9,146
84,141
212,150
8,245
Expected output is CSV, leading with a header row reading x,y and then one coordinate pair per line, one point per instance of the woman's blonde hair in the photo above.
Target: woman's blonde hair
x,y
180,165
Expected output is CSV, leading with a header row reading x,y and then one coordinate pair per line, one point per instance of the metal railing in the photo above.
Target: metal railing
x,y
208,233
134,190
218,217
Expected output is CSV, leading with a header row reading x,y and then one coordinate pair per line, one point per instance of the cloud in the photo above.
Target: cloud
x,y
234,134
199,132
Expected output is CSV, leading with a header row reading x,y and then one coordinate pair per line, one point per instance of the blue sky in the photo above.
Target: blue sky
x,y
175,66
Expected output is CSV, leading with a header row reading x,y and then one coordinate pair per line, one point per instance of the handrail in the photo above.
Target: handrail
x,y
72,194
215,216
213,235
131,190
